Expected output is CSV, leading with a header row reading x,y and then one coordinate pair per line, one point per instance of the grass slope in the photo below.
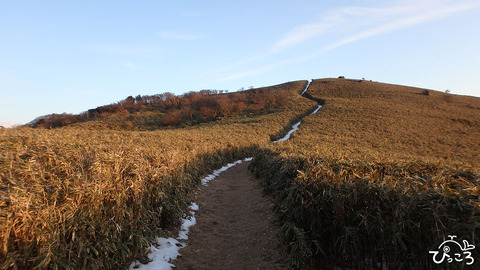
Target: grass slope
x,y
377,120
379,176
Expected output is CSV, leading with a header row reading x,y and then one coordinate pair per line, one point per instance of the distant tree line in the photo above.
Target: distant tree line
x,y
192,107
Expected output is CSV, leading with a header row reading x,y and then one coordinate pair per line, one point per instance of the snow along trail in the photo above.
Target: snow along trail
x,y
306,87
295,127
164,249
224,168
316,110
286,137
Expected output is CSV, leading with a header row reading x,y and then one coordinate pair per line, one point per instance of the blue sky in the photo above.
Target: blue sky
x,y
70,56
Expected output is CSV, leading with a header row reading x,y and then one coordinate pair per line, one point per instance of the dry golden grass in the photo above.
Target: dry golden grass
x,y
381,121
86,197
355,214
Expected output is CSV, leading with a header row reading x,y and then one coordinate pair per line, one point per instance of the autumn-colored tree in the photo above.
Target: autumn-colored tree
x,y
173,117
192,107
188,98
171,100
208,113
187,113
129,100
240,107
139,101
240,97
258,100
226,105
56,120
128,103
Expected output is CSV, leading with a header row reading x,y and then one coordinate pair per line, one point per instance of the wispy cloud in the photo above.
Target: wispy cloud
x,y
178,36
130,65
302,34
197,14
147,51
419,17
354,24
251,72
234,65
384,20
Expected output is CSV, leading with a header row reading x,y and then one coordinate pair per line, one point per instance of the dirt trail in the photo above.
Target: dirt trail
x,y
235,227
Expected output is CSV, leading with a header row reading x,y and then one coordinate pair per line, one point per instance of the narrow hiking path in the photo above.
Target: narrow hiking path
x,y
232,225
235,227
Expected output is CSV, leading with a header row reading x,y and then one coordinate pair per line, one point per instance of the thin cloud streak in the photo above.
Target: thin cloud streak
x,y
421,15
237,64
336,19
141,50
339,19
300,35
197,14
130,65
178,36
252,72
346,17
397,25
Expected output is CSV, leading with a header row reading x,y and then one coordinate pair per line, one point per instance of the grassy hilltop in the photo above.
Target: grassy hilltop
x,y
382,174
371,120
380,171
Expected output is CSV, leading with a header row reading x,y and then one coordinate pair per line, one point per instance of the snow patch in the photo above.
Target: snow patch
x,y
194,207
216,173
294,128
166,249
187,223
306,88
316,110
